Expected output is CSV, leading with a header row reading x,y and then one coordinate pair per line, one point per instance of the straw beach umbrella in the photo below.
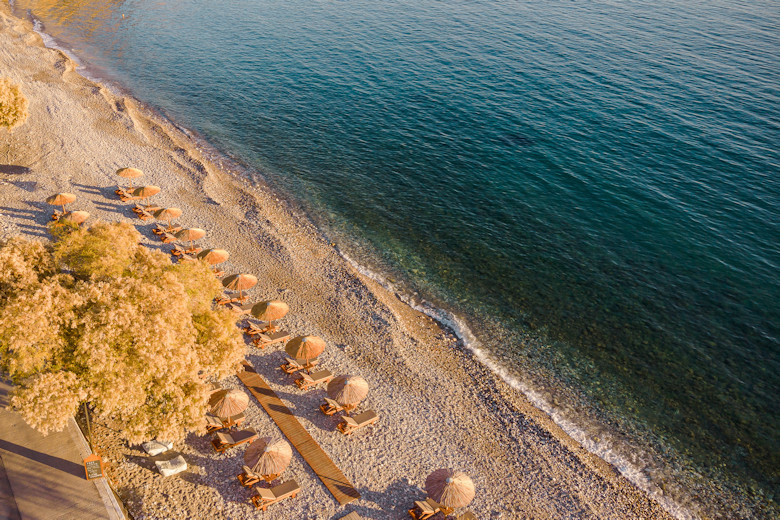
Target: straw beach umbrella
x,y
239,282
77,217
214,256
305,347
227,403
167,214
348,391
268,457
144,192
61,199
130,173
190,235
270,311
450,488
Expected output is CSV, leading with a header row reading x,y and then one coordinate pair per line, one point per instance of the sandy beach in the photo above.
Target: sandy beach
x,y
438,406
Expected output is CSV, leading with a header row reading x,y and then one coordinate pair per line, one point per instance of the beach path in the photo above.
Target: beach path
x,y
311,452
43,477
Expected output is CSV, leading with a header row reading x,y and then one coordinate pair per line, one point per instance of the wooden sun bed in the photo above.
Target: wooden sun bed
x,y
144,215
178,251
225,441
159,230
249,478
239,308
266,497
148,209
292,366
424,509
308,381
214,423
331,407
166,238
352,424
269,338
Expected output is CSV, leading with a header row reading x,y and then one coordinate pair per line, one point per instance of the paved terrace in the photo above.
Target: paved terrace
x,y
43,477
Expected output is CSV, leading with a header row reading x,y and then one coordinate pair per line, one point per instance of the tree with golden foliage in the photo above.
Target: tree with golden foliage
x,y
13,106
95,317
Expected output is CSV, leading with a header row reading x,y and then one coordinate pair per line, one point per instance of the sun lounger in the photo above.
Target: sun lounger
x,y
214,423
218,272
178,251
330,407
424,509
308,381
266,497
166,238
238,307
292,366
351,424
225,441
125,195
149,209
144,215
224,300
263,340
187,258
249,478
159,230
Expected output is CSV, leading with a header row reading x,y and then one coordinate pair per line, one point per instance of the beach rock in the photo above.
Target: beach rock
x,y
156,447
171,467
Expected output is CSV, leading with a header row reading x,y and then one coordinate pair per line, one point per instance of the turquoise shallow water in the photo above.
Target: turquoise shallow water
x,y
591,187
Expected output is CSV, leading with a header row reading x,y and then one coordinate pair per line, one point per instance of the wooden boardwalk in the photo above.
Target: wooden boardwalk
x,y
311,452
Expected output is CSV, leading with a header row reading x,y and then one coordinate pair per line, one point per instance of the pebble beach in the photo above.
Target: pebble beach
x,y
438,406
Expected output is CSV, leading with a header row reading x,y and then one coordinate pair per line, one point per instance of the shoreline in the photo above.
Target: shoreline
x,y
293,238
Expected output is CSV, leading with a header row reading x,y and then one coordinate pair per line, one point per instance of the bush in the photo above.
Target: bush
x,y
96,317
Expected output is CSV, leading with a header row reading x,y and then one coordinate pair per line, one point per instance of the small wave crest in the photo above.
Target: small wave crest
x,y
608,449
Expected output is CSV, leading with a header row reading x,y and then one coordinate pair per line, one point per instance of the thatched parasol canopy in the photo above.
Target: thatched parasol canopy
x,y
191,234
239,282
348,390
214,256
450,488
167,214
130,173
226,403
270,310
60,199
268,456
144,192
77,217
305,347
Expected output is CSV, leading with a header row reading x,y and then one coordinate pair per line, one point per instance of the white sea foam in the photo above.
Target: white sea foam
x,y
606,449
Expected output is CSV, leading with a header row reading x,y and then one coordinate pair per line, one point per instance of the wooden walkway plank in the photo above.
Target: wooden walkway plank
x,y
312,453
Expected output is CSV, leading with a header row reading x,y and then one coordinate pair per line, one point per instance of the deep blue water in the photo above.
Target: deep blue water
x,y
592,187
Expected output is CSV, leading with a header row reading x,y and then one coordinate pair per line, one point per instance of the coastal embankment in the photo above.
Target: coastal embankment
x,y
438,405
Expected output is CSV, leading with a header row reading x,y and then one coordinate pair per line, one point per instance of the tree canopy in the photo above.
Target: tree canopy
x,y
13,105
96,317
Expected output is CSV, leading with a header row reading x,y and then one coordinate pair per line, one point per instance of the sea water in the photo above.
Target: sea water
x,y
588,192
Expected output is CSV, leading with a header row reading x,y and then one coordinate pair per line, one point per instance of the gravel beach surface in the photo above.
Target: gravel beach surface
x,y
438,406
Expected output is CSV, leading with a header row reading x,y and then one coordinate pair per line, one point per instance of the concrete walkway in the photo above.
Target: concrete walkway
x,y
43,477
